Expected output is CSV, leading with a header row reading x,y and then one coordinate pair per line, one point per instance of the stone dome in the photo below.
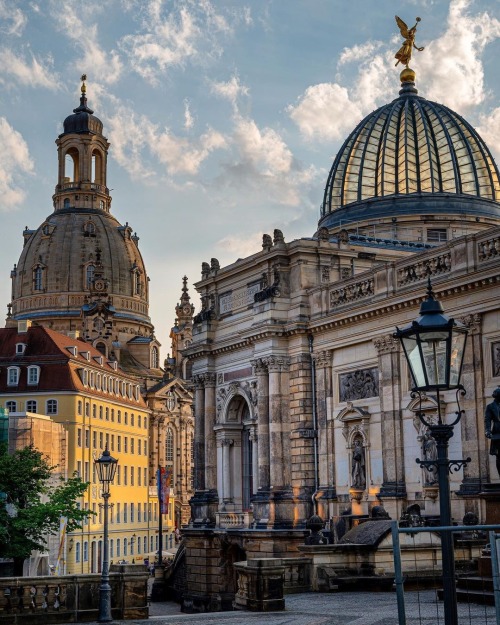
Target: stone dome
x,y
409,156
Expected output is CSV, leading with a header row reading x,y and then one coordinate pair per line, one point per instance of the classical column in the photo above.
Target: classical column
x,y
475,445
226,469
260,370
275,365
393,486
254,439
199,432
210,442
326,446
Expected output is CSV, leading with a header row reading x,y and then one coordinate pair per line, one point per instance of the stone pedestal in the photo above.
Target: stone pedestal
x,y
158,589
491,496
260,585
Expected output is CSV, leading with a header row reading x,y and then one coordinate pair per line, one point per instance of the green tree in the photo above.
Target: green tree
x,y
32,503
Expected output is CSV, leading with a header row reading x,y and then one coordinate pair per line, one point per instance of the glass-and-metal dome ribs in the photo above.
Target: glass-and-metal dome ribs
x,y
411,146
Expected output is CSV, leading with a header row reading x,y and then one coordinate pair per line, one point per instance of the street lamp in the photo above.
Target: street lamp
x,y
434,347
106,469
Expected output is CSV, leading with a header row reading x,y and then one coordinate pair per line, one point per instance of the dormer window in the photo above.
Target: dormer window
x,y
85,355
20,348
33,374
72,349
99,359
13,374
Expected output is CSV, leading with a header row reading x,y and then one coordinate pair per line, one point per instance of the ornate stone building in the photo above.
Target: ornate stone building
x,y
81,271
81,274
302,395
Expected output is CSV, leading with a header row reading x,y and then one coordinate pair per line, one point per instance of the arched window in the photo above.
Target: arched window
x,y
169,445
11,406
38,278
155,358
71,166
66,202
97,168
89,278
31,405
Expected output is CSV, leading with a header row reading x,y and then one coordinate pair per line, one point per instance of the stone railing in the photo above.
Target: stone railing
x,y
351,292
422,269
489,248
260,585
72,598
297,574
233,520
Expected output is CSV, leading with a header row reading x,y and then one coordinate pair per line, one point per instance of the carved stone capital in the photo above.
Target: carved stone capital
x,y
199,381
323,359
472,322
227,442
259,366
210,379
277,363
386,344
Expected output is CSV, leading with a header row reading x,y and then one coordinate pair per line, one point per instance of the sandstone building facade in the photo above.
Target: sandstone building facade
x,y
303,399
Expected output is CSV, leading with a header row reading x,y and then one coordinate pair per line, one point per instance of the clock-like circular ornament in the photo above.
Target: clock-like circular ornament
x,y
99,285
186,310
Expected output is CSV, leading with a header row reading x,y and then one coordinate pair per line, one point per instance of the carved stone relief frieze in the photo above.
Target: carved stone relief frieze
x,y
495,359
359,384
386,344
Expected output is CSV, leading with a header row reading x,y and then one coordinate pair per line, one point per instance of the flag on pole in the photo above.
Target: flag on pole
x,y
163,481
60,564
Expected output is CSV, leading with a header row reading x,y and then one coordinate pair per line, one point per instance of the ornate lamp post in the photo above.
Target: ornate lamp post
x,y
106,469
434,347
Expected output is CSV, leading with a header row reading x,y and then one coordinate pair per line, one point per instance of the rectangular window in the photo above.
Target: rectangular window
x,y
150,512
101,439
119,413
86,507
94,473
139,476
138,544
33,375
139,445
131,445
13,376
85,551
112,442
87,409
87,471
125,444
437,235
94,439
118,475
139,420
125,513
131,476
52,406
139,512
79,437
77,552
31,405
80,406
117,547
119,443
125,475
100,412
111,548
112,414
94,411
156,512
131,512
145,544
87,438
118,519
107,441
145,448
124,547
145,476
79,468
132,419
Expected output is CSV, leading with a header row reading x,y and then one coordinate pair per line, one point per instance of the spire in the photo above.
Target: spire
x,y
184,310
83,98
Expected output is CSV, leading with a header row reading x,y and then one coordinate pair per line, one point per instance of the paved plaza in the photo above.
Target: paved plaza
x,y
347,608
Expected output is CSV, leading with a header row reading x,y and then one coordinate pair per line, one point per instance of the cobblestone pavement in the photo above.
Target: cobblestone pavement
x,y
360,608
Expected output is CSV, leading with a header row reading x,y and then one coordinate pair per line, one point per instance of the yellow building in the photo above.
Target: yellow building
x,y
68,380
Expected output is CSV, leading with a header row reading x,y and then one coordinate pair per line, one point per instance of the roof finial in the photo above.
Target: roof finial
x,y
84,86
403,55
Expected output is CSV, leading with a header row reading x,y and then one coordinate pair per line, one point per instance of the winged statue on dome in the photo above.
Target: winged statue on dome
x,y
403,55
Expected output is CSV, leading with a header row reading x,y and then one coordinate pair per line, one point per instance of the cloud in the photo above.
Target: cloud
x,y
34,72
139,144
12,18
230,90
79,22
489,130
450,70
452,64
15,161
190,31
244,244
188,116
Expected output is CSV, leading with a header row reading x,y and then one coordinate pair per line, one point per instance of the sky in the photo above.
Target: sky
x,y
224,117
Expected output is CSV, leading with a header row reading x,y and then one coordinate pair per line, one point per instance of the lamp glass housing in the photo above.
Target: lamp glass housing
x,y
106,469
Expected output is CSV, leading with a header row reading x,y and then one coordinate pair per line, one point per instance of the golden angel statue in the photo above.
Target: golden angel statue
x,y
403,55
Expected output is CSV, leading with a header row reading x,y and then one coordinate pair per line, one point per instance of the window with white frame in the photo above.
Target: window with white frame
x,y
31,405
20,348
33,374
169,445
13,374
77,552
11,406
52,406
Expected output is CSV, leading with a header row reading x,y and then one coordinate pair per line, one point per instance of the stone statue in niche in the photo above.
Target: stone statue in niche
x,y
358,474
359,384
495,357
429,452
